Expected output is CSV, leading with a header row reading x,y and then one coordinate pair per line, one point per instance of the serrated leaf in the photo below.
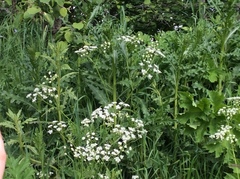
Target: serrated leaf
x,y
63,12
216,100
216,148
213,77
33,149
7,124
12,141
67,76
29,120
99,94
205,105
78,26
186,100
65,67
201,130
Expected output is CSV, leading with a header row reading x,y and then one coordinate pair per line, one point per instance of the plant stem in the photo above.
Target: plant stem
x,y
58,99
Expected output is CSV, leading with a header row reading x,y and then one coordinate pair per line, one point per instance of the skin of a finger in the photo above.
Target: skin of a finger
x,y
3,157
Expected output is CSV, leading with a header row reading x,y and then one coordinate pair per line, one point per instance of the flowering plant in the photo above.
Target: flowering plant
x,y
108,134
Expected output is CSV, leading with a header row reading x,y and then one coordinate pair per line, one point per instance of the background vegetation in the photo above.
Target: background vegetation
x,y
120,89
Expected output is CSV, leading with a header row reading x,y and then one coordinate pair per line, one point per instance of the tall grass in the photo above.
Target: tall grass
x,y
116,104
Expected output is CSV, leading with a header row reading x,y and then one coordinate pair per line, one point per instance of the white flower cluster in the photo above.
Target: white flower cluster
x,y
224,133
151,51
44,91
105,46
130,39
44,175
85,50
56,125
149,69
50,78
99,147
228,111
235,101
107,113
135,177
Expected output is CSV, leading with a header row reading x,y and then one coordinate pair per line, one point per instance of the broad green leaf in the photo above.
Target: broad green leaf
x,y
205,105
212,76
68,36
9,2
45,1
147,2
78,26
230,176
216,100
63,12
217,148
201,130
60,2
61,47
186,100
31,12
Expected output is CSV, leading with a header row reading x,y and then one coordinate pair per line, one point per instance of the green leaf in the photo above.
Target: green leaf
x,y
201,130
65,67
147,2
9,2
29,120
7,124
230,176
78,26
45,1
61,47
68,75
63,12
48,18
68,36
217,148
186,100
99,94
31,12
60,2
216,100
212,76
205,105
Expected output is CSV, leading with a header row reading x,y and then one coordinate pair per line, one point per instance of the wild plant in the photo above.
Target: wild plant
x,y
225,140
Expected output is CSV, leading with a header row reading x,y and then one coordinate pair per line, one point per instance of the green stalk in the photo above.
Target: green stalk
x,y
235,161
220,80
58,100
114,87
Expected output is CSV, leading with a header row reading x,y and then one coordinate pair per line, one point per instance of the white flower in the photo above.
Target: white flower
x,y
149,76
143,72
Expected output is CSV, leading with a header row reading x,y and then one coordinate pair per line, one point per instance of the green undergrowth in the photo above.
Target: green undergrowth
x,y
99,100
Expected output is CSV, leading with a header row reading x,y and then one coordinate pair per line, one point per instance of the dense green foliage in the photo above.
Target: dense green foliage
x,y
120,89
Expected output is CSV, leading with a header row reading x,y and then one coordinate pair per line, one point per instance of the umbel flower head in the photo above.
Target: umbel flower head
x,y
110,130
45,90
